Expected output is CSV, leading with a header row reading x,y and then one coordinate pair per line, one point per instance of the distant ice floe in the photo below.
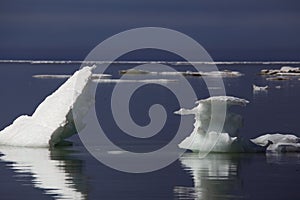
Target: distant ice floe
x,y
283,71
135,81
282,74
229,140
100,76
105,78
64,76
278,78
53,120
225,73
51,76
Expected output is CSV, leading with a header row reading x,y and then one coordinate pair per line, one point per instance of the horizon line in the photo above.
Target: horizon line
x,y
148,62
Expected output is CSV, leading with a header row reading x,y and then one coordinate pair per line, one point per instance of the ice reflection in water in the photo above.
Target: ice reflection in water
x,y
54,171
214,177
281,159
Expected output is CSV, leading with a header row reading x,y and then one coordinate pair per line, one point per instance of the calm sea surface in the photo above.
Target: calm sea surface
x,y
72,173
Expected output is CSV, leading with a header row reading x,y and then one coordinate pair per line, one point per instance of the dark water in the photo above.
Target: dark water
x,y
72,173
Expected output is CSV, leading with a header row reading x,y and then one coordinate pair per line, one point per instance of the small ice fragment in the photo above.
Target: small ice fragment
x,y
260,88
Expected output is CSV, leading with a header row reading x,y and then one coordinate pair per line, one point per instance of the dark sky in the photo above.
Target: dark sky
x,y
229,30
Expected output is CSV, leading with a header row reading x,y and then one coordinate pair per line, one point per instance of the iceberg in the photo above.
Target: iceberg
x,y
53,120
200,138
229,139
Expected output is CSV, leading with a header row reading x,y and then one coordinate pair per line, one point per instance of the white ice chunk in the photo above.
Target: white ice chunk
x,y
288,69
260,88
281,142
276,138
200,138
52,121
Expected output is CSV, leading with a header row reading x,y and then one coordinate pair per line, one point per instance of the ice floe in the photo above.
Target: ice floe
x,y
65,76
283,71
225,73
135,81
